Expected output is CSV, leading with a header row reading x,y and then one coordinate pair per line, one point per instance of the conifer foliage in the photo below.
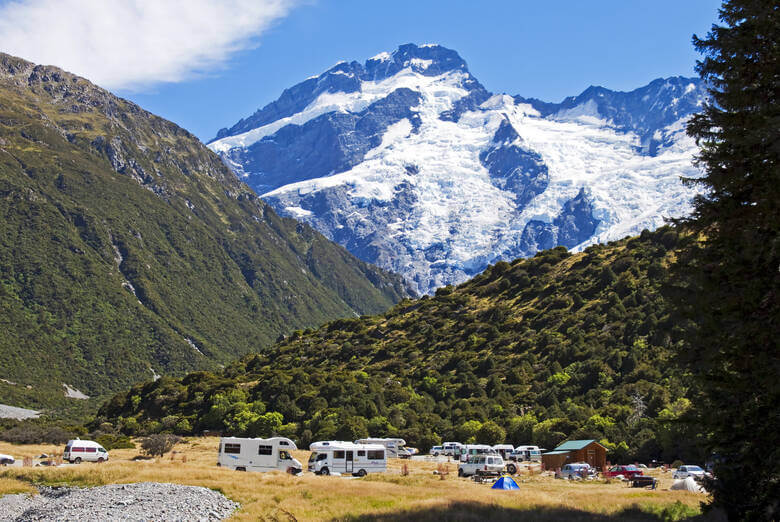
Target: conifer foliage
x,y
729,274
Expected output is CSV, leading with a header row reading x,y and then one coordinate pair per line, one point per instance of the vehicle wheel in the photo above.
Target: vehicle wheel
x,y
460,472
101,460
241,468
361,473
325,471
78,460
435,453
511,469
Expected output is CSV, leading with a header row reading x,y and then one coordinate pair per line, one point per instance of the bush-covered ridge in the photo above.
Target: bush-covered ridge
x,y
127,248
550,347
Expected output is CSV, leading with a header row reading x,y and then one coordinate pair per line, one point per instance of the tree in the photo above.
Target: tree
x,y
727,277
491,433
159,444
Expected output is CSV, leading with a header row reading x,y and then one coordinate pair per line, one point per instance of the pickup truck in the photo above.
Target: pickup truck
x,y
481,465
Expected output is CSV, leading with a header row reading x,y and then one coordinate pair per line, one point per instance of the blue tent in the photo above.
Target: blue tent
x,y
505,483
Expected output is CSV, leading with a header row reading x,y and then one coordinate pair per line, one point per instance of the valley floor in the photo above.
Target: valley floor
x,y
420,495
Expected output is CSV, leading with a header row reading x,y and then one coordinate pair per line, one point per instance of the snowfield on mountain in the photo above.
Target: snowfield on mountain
x,y
411,164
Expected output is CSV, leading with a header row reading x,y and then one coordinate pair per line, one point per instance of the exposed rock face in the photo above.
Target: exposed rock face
x,y
408,162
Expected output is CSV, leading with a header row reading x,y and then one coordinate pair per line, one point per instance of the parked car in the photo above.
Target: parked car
x,y
481,465
577,469
5,460
436,451
629,471
688,471
86,450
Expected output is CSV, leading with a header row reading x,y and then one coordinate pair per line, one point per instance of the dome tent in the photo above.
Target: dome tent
x,y
505,483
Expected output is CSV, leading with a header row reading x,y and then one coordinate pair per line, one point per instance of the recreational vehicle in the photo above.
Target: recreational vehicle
x,y
84,450
532,453
470,450
504,450
258,454
451,448
395,447
335,456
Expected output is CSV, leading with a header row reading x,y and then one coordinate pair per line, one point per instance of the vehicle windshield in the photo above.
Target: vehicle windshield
x,y
313,456
631,468
694,468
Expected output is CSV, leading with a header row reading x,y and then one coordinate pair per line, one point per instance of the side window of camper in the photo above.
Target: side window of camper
x,y
361,453
283,443
338,454
265,450
376,454
78,450
91,450
232,448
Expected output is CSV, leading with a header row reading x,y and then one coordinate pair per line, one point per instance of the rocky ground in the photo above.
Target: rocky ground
x,y
126,502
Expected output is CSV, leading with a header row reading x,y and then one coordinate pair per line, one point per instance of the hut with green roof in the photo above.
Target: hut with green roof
x,y
588,451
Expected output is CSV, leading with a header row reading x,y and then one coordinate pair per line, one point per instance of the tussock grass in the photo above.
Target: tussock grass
x,y
389,496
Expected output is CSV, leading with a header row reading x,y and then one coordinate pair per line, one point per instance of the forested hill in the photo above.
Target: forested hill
x,y
128,249
545,348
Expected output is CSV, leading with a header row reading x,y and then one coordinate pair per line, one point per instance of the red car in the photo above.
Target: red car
x,y
629,471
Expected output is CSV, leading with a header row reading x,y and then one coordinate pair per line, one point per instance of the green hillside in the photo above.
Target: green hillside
x,y
555,346
128,249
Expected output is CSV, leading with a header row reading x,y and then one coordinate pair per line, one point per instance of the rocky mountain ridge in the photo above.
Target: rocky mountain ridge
x,y
410,163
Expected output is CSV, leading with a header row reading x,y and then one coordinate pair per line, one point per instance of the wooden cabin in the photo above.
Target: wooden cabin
x,y
588,451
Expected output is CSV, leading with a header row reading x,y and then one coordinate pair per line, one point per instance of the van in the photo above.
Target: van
x,y
395,447
470,450
243,454
530,453
79,450
336,456
504,450
451,448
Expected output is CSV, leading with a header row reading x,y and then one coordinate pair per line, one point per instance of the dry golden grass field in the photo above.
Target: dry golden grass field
x,y
420,495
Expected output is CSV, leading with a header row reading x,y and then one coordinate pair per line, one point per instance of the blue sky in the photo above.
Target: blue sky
x,y
548,49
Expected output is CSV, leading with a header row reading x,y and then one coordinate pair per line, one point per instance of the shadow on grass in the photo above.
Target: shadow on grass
x,y
475,511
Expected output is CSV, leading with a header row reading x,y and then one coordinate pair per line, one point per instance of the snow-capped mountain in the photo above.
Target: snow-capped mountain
x,y
411,164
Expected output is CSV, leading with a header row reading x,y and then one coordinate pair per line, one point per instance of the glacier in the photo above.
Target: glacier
x,y
411,164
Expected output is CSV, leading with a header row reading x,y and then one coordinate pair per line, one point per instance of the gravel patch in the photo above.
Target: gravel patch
x,y
145,501
12,412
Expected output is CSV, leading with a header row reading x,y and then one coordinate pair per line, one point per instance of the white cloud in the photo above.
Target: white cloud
x,y
135,43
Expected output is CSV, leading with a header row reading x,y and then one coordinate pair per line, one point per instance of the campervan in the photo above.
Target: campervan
x,y
451,448
335,456
470,450
258,454
504,450
395,447
84,450
532,453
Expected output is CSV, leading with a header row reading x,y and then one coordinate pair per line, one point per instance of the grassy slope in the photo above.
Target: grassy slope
x,y
97,195
551,347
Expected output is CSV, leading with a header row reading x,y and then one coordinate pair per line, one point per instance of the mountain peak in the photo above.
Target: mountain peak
x,y
427,59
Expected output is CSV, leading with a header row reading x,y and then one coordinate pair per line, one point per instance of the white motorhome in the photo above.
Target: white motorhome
x,y
258,454
395,447
532,453
334,456
471,450
451,448
504,450
79,450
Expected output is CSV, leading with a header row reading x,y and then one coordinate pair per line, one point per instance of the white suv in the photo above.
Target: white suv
x,y
481,465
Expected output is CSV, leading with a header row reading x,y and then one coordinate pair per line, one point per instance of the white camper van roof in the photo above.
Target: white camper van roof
x,y
343,445
283,441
